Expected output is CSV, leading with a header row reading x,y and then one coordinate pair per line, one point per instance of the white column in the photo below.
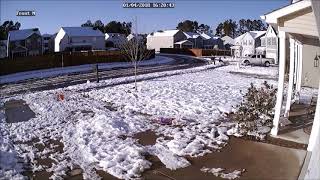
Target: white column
x,y
282,66
299,71
291,76
316,125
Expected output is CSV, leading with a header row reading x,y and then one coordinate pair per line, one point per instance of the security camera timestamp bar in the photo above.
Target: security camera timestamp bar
x,y
148,5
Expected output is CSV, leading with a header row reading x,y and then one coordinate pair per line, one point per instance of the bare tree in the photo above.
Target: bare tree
x,y
135,51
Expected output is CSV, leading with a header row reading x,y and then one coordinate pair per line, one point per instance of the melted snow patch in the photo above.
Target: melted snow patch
x,y
219,172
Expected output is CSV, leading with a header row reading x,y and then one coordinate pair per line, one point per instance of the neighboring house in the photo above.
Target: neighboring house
x,y
227,42
167,39
211,42
115,39
269,44
132,36
195,38
78,39
45,43
51,43
3,48
25,42
184,44
299,23
247,43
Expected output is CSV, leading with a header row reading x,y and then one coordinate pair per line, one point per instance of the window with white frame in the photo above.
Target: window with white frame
x,y
274,41
269,41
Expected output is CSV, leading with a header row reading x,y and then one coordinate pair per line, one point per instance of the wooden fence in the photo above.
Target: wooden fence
x,y
28,63
196,52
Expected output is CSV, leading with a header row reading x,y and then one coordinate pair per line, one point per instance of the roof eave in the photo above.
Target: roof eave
x,y
273,16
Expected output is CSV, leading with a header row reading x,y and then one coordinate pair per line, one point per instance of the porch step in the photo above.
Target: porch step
x,y
293,127
314,101
303,111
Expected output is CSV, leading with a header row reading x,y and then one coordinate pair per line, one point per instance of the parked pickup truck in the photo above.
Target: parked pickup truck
x,y
259,60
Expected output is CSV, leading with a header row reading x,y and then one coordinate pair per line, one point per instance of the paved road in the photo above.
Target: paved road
x,y
180,62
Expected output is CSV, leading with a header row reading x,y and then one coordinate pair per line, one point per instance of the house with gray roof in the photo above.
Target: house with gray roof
x,y
210,41
24,42
79,39
195,38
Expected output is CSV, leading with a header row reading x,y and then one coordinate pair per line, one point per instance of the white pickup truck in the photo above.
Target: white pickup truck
x,y
259,60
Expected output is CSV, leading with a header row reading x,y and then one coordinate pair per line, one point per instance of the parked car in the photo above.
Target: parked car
x,y
258,59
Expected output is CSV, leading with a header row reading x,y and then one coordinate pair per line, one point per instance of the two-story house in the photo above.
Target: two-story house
x,y
211,42
45,42
195,38
78,39
247,43
25,42
269,44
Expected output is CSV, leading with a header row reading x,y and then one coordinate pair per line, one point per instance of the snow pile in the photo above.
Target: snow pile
x,y
168,158
93,143
10,167
219,172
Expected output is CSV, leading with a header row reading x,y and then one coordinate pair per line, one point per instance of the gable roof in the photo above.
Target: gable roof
x,y
253,34
192,35
184,42
164,33
227,40
82,31
256,34
22,34
209,36
270,28
131,36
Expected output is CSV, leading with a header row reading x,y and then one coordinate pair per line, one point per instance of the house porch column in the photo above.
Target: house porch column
x,y
316,125
299,72
291,76
282,64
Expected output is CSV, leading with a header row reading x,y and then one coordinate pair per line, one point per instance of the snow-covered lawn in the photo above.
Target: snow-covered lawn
x,y
44,73
97,126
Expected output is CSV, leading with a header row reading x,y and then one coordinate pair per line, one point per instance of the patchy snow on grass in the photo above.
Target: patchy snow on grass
x,y
271,71
96,122
219,172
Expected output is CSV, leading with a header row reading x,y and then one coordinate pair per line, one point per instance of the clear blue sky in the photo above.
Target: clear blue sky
x,y
53,14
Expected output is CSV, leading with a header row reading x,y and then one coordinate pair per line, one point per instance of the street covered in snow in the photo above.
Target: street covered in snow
x,y
93,125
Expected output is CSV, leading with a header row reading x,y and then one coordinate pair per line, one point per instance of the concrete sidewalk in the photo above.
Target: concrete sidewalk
x,y
261,161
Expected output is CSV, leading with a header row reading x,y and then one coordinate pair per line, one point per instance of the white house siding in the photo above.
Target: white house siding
x,y
313,171
157,42
60,41
248,45
301,22
96,42
271,43
310,74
